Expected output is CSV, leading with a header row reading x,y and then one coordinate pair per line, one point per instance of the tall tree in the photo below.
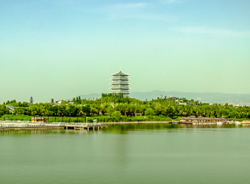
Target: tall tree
x,y
31,100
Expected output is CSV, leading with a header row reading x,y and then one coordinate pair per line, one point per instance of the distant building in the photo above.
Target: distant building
x,y
59,102
11,108
38,119
173,99
245,122
200,119
120,83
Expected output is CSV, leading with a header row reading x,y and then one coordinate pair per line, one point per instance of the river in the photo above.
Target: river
x,y
138,154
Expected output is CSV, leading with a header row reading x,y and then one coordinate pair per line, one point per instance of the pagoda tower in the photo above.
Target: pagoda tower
x,y
120,83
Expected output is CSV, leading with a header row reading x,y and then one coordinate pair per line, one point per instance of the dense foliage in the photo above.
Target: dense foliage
x,y
3,110
115,107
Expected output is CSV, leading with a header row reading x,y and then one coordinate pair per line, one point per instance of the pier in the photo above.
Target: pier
x,y
49,126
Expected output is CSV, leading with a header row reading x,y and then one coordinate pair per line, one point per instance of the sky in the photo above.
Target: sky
x,y
65,48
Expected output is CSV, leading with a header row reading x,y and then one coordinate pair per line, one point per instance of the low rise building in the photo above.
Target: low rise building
x,y
245,122
200,119
59,102
11,108
38,119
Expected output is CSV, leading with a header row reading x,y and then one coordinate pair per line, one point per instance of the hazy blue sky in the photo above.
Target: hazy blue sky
x,y
63,48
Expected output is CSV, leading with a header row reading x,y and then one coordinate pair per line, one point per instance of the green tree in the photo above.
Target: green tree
x,y
86,109
169,111
110,110
31,100
117,115
149,112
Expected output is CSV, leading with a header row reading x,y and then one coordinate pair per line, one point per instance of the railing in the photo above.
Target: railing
x,y
20,124
122,88
39,124
118,77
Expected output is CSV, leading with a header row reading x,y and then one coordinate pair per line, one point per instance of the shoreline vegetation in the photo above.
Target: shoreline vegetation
x,y
89,119
117,108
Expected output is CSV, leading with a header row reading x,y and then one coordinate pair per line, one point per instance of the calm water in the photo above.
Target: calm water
x,y
127,154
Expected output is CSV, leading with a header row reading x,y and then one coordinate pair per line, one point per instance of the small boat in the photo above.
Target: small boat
x,y
173,122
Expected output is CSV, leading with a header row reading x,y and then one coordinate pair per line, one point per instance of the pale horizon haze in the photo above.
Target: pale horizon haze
x,y
65,48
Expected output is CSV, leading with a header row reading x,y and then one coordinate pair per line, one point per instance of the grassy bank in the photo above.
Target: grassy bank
x,y
98,118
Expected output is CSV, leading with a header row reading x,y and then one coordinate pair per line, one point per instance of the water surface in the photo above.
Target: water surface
x,y
147,154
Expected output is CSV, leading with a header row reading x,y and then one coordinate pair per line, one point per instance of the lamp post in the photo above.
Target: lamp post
x,y
81,114
69,117
46,117
77,117
62,117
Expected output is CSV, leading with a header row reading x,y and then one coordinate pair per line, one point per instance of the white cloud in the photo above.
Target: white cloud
x,y
211,31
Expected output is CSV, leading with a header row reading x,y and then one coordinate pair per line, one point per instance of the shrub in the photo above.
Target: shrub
x,y
116,114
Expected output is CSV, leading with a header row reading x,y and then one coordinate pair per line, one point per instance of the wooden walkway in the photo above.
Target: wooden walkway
x,y
49,126
82,126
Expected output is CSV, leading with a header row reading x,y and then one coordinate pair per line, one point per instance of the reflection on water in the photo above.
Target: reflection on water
x,y
121,128
210,126
45,132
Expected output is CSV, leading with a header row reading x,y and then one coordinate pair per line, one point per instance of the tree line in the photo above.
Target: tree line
x,y
116,105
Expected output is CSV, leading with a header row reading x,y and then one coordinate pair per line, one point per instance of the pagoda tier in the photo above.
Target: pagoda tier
x,y
117,88
120,83
119,79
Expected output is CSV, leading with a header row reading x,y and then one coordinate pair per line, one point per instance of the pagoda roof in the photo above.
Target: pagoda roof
x,y
120,73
